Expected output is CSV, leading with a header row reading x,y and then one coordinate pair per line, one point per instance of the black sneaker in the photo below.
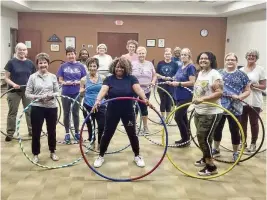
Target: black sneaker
x,y
208,170
200,163
8,139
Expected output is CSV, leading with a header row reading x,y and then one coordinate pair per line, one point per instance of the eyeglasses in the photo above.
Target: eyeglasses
x,y
251,56
230,60
184,55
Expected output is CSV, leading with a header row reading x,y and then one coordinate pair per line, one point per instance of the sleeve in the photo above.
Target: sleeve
x,y
245,80
30,88
216,76
9,66
55,86
107,81
83,71
262,74
191,70
158,68
134,80
60,72
176,66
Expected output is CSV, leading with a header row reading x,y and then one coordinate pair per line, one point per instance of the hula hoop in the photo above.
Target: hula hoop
x,y
222,173
169,95
15,138
250,155
93,127
134,178
22,148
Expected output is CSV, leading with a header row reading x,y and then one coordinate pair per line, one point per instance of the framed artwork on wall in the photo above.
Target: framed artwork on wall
x,y
161,43
54,47
150,42
70,41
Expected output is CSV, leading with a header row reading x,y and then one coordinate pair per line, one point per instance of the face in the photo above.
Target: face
x,y
119,70
43,65
177,53
185,56
71,56
167,55
92,68
204,62
84,55
141,55
101,50
22,51
231,61
251,58
131,48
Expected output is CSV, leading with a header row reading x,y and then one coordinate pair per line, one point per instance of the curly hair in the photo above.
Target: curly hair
x,y
42,56
135,43
80,53
89,61
122,62
253,52
70,50
211,57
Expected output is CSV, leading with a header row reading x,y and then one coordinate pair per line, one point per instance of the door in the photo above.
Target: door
x,y
33,38
13,41
116,42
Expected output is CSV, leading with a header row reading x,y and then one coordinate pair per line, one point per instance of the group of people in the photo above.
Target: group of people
x,y
99,77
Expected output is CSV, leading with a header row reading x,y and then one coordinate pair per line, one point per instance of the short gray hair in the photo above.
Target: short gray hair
x,y
253,52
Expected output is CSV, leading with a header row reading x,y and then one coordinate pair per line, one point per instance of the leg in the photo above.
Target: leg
x,y
254,124
25,103
144,112
75,114
66,103
37,120
13,100
218,135
128,120
162,102
51,122
182,121
100,118
111,121
88,122
244,121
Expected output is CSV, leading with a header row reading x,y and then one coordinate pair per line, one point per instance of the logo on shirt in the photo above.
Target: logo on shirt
x,y
166,70
72,70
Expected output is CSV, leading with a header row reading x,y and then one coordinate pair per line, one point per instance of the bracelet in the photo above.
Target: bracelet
x,y
180,84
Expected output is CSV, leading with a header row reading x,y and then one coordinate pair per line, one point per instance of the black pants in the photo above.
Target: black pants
x,y
114,113
38,114
100,119
143,107
165,101
182,120
234,129
66,104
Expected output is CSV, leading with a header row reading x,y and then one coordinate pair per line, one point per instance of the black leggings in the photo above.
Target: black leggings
x,y
234,129
38,114
165,101
182,120
113,115
143,107
100,119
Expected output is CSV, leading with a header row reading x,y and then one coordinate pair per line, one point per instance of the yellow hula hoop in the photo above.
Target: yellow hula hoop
x,y
216,175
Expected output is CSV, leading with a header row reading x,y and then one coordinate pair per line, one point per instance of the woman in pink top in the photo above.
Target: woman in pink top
x,y
131,47
145,72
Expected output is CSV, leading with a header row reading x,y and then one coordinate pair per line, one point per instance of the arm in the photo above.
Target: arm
x,y
191,82
29,90
154,76
244,94
82,86
261,85
102,93
9,82
139,91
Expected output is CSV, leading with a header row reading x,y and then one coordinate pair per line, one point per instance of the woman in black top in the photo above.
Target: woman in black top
x,y
120,84
17,73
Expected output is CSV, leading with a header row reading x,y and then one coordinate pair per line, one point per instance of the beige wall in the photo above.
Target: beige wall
x,y
177,31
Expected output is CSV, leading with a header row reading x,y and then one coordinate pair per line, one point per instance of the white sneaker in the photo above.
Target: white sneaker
x,y
99,161
54,157
35,159
139,161
252,148
146,130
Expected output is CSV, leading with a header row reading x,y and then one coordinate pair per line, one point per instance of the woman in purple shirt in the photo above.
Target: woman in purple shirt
x,y
184,77
70,74
145,73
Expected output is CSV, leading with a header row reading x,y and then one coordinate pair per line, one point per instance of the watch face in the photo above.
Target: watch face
x,y
204,33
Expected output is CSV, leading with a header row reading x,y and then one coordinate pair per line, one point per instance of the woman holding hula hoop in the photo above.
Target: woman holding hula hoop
x,y
146,75
257,76
90,86
43,86
235,84
184,77
208,87
120,84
